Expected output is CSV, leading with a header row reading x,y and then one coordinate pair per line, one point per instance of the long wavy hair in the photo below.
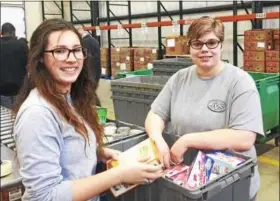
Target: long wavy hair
x,y
82,93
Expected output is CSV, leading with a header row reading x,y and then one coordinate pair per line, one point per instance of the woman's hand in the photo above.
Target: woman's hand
x,y
178,149
109,154
163,150
137,172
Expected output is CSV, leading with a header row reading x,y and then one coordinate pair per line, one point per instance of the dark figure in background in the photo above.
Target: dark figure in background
x,y
13,62
93,48
23,40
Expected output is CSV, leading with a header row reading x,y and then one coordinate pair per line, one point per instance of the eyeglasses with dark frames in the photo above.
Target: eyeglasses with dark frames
x,y
210,44
62,54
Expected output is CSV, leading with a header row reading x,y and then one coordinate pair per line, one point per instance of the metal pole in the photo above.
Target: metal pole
x,y
160,53
109,37
181,17
257,7
71,11
235,47
129,21
43,10
62,9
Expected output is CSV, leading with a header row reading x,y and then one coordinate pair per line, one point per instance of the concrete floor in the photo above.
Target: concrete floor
x,y
268,160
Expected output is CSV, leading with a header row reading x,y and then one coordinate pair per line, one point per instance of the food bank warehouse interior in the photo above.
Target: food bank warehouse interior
x,y
140,100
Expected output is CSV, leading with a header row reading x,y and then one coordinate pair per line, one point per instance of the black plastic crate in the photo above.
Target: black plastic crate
x,y
133,96
167,67
233,186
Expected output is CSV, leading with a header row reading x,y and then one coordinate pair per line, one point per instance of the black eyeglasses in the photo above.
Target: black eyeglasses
x,y
62,54
210,44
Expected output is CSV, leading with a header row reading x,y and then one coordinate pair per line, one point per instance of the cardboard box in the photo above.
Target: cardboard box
x,y
276,44
176,45
104,60
254,55
272,55
258,34
251,45
143,57
276,34
272,66
256,66
122,60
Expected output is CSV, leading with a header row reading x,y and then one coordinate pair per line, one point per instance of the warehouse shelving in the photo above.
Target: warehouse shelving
x,y
58,4
256,20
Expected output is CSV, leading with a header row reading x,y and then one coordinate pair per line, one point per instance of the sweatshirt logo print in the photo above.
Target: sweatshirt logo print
x,y
216,105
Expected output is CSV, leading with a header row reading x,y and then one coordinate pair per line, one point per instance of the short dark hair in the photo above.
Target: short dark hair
x,y
8,29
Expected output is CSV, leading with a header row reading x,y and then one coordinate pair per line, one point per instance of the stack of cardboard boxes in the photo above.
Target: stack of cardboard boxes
x,y
144,57
121,60
104,55
272,57
176,45
261,53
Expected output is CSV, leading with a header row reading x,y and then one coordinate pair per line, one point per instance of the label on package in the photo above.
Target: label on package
x,y
123,66
127,58
103,71
117,49
261,44
154,51
142,59
171,42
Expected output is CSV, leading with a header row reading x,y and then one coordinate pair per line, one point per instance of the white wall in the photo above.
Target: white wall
x,y
33,13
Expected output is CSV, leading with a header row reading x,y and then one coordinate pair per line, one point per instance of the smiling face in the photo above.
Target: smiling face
x,y
206,57
65,71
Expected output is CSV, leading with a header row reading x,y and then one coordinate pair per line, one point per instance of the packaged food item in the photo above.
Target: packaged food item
x,y
224,162
200,171
145,149
174,170
181,178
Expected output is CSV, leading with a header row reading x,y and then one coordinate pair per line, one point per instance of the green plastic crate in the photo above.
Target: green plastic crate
x,y
134,73
268,85
102,114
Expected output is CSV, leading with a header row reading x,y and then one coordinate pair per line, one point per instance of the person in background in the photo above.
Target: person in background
x,y
93,48
57,132
23,40
13,59
212,105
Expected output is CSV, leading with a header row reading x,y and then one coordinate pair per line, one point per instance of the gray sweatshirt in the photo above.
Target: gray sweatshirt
x,y
50,152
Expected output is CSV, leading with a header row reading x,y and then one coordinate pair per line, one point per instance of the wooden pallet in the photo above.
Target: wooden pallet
x,y
177,56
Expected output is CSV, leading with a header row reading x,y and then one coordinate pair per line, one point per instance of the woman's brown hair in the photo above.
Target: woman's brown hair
x,y
82,93
204,25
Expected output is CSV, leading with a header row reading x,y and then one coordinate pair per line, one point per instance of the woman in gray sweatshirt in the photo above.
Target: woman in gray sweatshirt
x,y
57,133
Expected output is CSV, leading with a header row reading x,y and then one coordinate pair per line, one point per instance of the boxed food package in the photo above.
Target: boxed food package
x,y
224,162
145,149
200,171
258,35
176,45
144,57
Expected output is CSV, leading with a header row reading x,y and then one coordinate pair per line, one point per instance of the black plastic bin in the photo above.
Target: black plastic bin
x,y
233,186
133,96
167,67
